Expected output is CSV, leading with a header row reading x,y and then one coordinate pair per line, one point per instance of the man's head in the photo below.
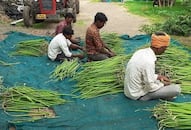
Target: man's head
x,y
68,32
100,19
69,17
159,42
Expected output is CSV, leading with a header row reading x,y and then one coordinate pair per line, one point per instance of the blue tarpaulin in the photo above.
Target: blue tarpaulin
x,y
110,112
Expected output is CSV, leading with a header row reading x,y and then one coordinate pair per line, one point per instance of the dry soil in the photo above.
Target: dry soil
x,y
119,20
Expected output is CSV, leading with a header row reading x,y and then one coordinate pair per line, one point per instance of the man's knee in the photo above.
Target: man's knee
x,y
177,89
97,57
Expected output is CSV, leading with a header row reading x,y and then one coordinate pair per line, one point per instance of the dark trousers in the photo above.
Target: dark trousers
x,y
61,57
97,57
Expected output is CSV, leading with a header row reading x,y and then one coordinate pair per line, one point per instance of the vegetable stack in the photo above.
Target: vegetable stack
x,y
36,47
65,70
28,104
101,77
175,64
113,41
173,115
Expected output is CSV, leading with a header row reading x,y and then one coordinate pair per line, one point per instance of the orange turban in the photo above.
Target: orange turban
x,y
159,41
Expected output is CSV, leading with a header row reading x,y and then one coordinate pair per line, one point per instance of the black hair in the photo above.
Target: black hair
x,y
100,17
68,31
69,15
160,33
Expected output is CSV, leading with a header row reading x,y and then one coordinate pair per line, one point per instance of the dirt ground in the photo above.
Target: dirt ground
x,y
119,21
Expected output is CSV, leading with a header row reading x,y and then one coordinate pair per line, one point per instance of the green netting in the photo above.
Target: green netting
x,y
110,112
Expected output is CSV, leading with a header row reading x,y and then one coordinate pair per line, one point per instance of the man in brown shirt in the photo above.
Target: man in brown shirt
x,y
95,47
69,17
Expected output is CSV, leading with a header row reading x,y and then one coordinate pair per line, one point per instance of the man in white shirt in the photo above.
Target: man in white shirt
x,y
141,82
60,45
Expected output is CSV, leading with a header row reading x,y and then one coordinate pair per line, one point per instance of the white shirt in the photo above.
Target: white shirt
x,y
58,45
140,77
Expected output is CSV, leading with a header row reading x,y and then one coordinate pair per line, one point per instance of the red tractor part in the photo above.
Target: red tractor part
x,y
40,10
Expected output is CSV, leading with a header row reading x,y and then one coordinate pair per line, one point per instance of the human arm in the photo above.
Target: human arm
x,y
80,56
67,53
100,46
106,47
64,46
75,46
110,51
75,40
150,79
164,80
57,30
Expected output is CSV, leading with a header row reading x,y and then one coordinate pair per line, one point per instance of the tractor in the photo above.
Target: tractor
x,y
40,10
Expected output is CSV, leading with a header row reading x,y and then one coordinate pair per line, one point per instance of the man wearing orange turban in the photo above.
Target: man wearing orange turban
x,y
141,82
160,39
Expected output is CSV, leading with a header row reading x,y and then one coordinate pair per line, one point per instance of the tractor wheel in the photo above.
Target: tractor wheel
x,y
71,4
74,13
77,6
28,16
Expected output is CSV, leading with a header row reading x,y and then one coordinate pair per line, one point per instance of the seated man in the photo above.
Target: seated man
x,y
95,47
60,45
141,82
69,17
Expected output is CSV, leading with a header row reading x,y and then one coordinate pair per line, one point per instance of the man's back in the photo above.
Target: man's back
x,y
60,27
93,40
58,44
141,63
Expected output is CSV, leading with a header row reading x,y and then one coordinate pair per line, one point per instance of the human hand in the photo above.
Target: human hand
x,y
81,56
164,80
166,83
78,39
83,49
112,54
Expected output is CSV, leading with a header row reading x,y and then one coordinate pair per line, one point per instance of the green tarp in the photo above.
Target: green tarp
x,y
110,112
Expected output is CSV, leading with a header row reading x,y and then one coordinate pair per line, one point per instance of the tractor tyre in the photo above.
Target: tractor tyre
x,y
28,16
77,6
75,14
71,4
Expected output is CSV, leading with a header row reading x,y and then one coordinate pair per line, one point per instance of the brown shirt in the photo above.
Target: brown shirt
x,y
60,27
93,40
